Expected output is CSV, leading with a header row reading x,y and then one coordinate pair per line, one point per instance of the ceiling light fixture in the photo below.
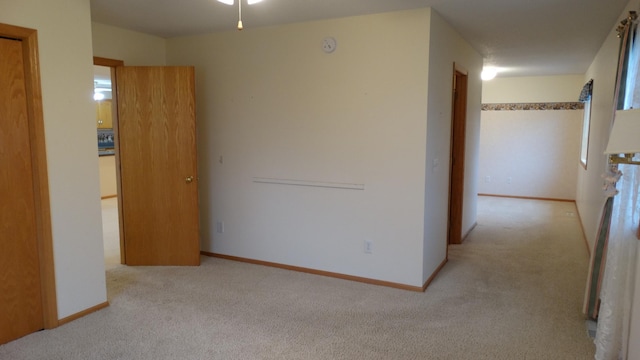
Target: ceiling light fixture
x,y
230,2
97,95
488,73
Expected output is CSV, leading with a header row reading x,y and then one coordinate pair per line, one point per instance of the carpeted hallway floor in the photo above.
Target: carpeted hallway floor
x,y
513,290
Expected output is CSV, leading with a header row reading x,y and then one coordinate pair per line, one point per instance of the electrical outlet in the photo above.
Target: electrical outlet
x,y
509,180
487,179
368,246
220,227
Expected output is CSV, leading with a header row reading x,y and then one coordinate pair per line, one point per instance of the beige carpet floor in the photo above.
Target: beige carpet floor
x,y
513,290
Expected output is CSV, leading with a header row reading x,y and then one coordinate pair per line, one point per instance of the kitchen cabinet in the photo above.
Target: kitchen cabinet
x,y
104,114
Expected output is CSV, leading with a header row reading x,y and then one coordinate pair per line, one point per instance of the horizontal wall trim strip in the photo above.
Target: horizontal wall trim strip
x,y
308,183
533,106
326,273
83,313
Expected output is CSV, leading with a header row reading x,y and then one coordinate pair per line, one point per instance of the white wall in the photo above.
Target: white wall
x,y
64,37
531,153
530,89
272,104
447,47
134,48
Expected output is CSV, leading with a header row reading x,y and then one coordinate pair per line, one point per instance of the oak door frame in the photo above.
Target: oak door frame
x,y
457,160
113,63
35,118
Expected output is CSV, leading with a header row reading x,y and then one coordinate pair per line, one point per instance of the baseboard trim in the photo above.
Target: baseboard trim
x,y
433,276
108,197
321,272
83,313
527,197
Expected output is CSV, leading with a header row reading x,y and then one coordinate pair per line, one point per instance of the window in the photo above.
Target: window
x,y
585,97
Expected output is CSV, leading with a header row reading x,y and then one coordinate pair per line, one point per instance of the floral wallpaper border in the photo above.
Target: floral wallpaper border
x,y
533,106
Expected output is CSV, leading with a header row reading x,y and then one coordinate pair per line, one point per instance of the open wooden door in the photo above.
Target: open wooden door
x,y
458,136
156,134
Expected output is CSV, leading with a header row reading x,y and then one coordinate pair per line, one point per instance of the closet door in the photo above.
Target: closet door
x,y
21,311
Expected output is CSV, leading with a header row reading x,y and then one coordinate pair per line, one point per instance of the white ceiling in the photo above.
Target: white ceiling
x,y
525,37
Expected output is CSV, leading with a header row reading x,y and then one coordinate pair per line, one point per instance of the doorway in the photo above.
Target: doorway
x,y
106,121
155,226
458,136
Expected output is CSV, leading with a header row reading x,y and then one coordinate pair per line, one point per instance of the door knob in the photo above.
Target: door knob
x,y
189,179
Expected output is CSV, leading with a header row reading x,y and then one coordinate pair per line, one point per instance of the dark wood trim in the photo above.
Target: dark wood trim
x,y
83,313
457,154
16,32
107,62
527,197
108,197
461,69
319,272
29,38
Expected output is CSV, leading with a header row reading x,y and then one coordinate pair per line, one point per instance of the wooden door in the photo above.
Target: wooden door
x,y
156,134
458,136
21,311
103,114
